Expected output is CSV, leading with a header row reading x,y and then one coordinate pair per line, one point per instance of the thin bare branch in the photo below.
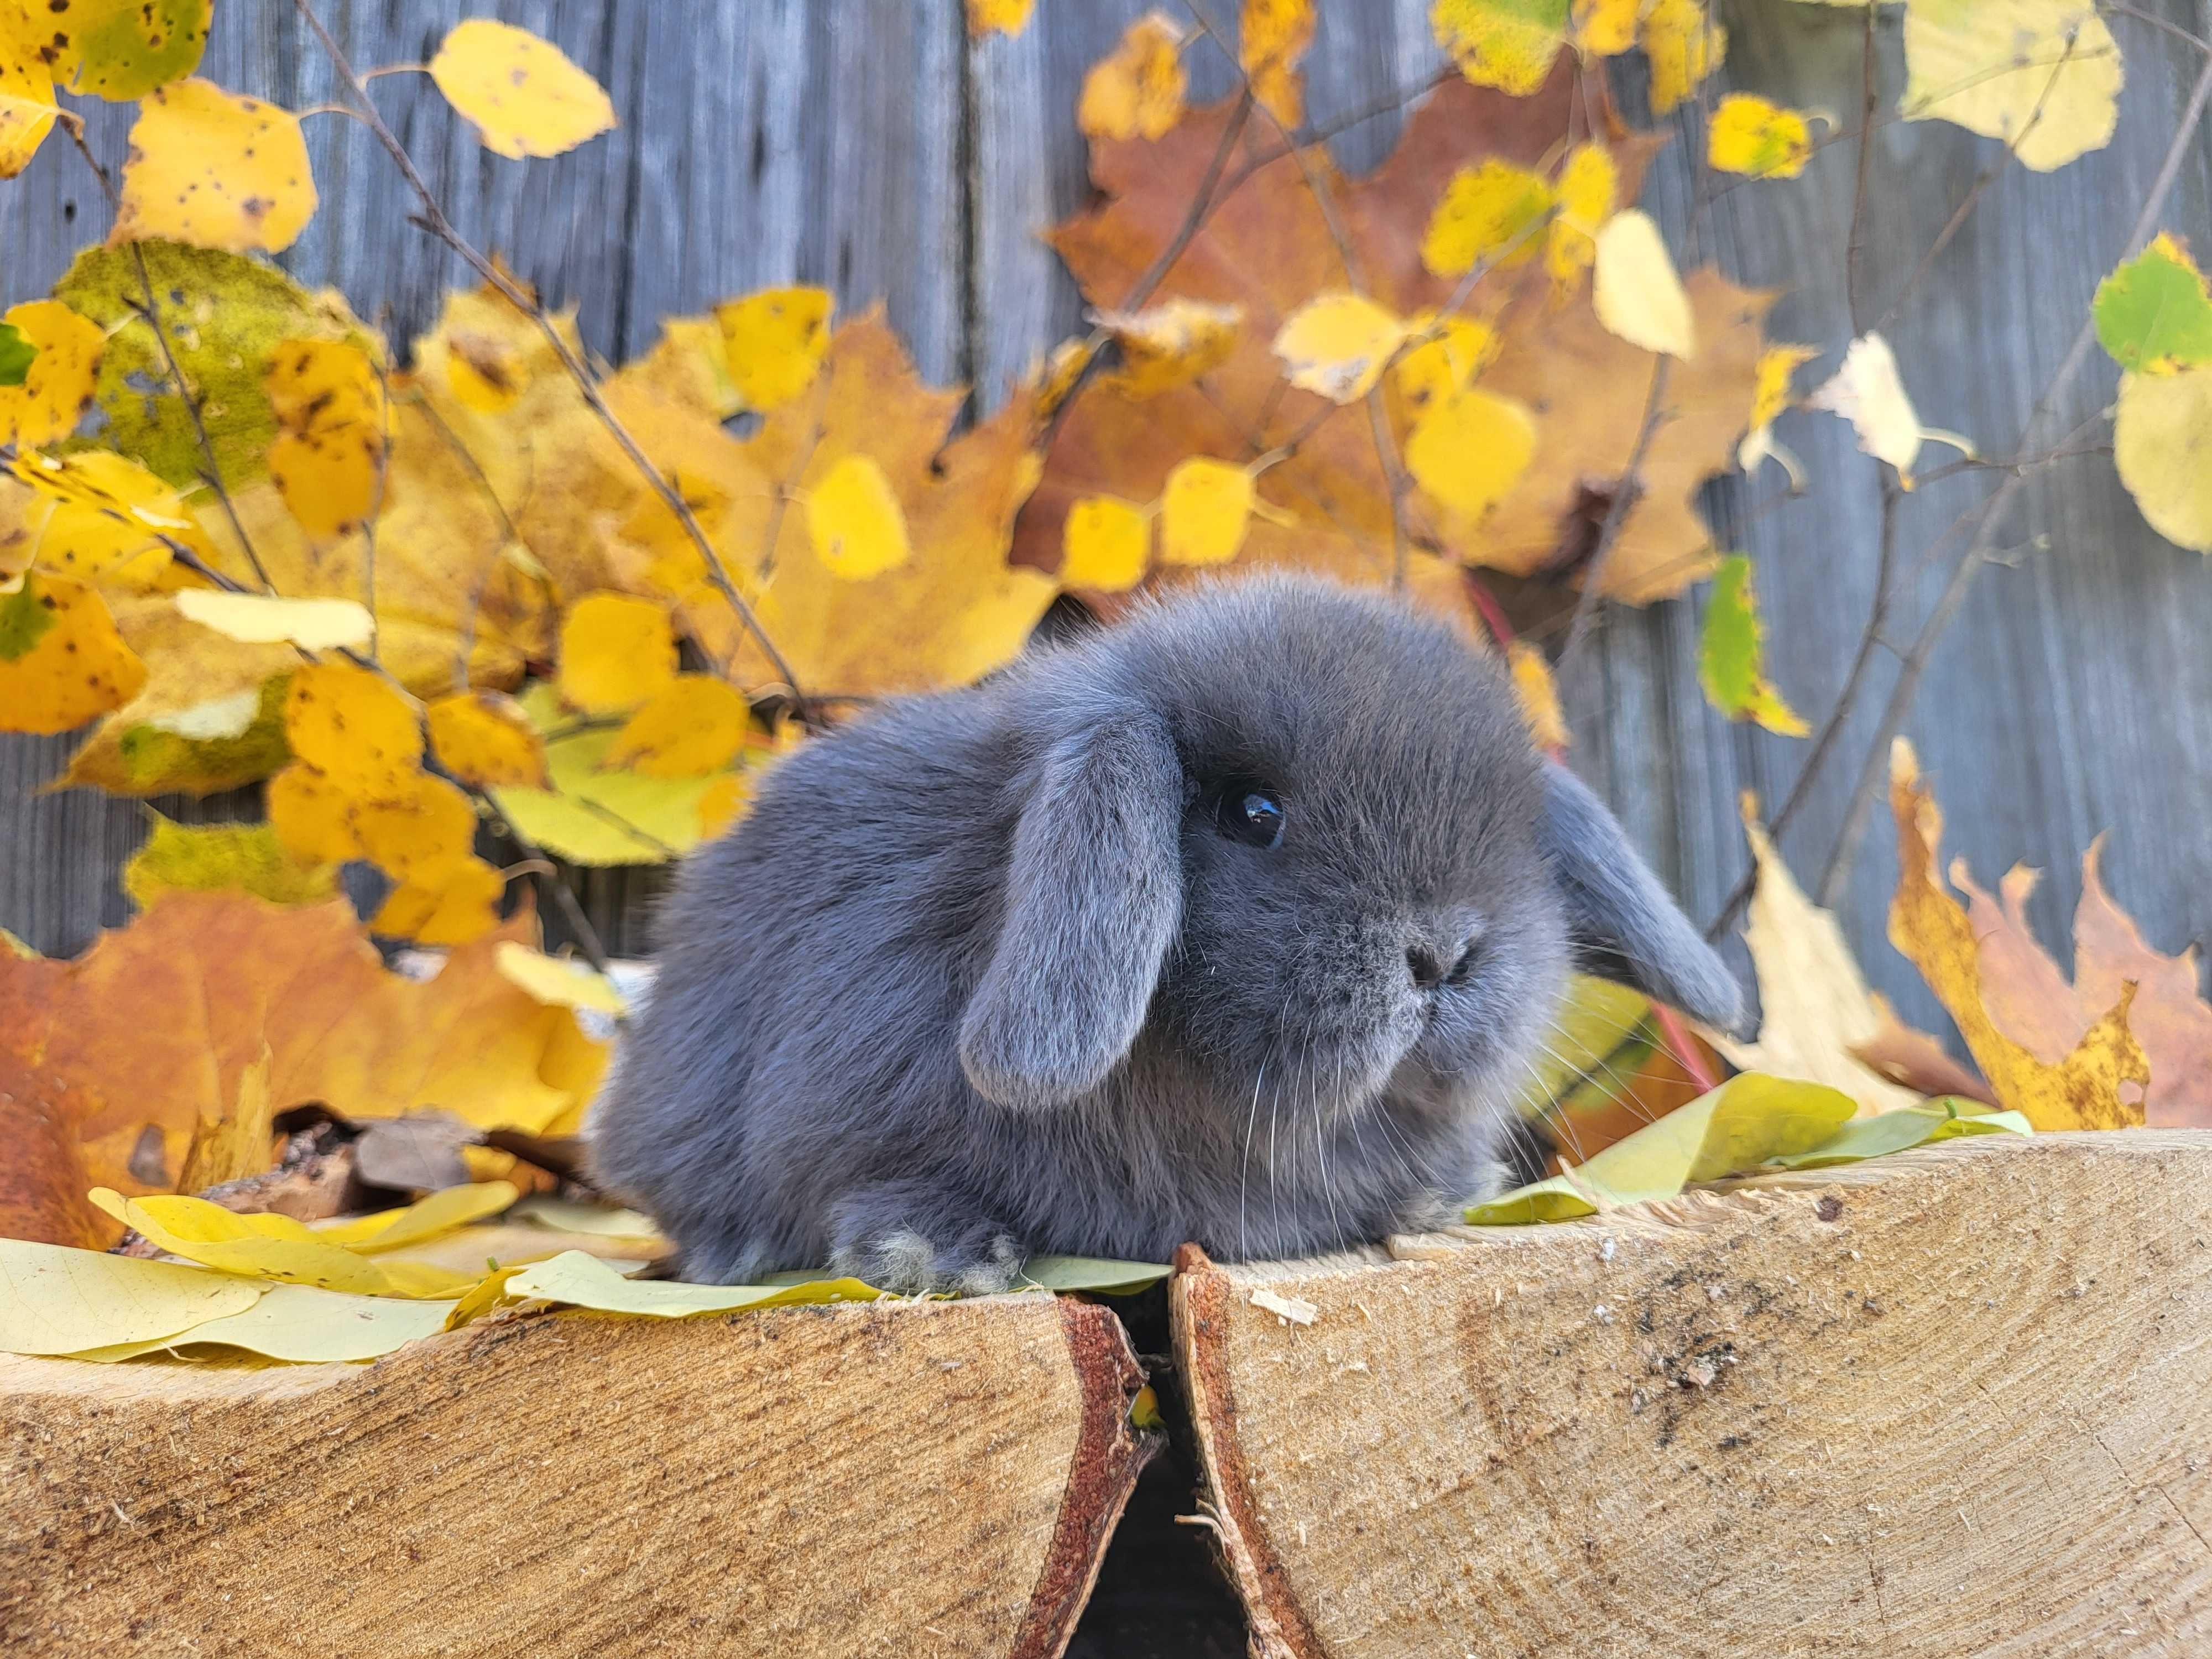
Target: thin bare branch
x,y
433,215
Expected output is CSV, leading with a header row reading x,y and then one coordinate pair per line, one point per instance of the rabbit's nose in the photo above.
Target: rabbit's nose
x,y
1442,956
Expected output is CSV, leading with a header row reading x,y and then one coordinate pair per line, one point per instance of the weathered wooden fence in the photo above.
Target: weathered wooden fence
x,y
870,146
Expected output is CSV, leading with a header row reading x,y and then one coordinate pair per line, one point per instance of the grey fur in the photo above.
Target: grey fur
x,y
979,975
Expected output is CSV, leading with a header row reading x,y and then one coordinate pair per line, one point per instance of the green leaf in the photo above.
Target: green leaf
x,y
218,857
56,1300
123,49
596,814
17,353
2154,313
223,315
302,1325
1907,1126
1731,657
24,619
1096,1274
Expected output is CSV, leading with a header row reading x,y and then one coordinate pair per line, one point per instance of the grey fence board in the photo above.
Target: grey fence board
x,y
868,145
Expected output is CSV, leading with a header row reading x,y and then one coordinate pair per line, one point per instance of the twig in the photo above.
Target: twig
x,y
1624,495
433,216
2155,21
572,911
1872,769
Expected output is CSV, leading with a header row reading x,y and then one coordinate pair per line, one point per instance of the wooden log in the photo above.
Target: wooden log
x,y
903,1479
1953,1402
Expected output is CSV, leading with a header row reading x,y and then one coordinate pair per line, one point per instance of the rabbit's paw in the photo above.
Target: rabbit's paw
x,y
882,1236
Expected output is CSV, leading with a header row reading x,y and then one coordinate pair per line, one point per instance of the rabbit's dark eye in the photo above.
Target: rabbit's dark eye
x,y
1246,811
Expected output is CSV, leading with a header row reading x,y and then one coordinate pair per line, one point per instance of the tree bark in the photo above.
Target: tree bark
x,y
1952,1402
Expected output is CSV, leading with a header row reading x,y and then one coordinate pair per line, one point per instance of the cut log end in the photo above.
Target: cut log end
x,y
1951,1402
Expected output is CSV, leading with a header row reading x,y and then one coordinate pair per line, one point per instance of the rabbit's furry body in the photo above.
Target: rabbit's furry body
x,y
1008,969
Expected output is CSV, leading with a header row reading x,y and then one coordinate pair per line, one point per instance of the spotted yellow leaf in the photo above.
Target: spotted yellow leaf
x,y
616,652
1638,294
774,341
854,520
460,905
696,724
1490,212
351,724
1506,44
119,50
1587,184
215,169
28,113
104,519
1137,91
522,94
484,737
1469,451
1338,345
56,388
310,816
1461,349
61,659
1106,544
1205,508
419,831
1272,37
1606,28
328,458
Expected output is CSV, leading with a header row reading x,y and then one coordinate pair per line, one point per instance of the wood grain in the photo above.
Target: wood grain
x,y
1947,1403
931,1479
870,146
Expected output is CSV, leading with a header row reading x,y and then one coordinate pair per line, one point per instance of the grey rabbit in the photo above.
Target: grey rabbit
x,y
1236,923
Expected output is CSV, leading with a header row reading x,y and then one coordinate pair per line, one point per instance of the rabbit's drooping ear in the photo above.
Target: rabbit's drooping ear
x,y
1094,892
1624,925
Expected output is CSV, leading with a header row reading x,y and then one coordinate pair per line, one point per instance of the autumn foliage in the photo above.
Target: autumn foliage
x,y
479,596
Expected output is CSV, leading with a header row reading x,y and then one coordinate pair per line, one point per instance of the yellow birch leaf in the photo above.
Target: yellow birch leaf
x,y
353,727
774,341
441,1212
1638,294
1867,392
61,660
55,1300
1587,185
1169,345
2162,445
577,1280
1437,369
262,618
310,817
1470,450
719,806
328,458
595,814
253,1246
694,725
299,1325
420,832
1204,509
1538,694
1770,396
997,17
109,521
1270,38
522,94
462,906
28,113
855,519
178,858
2044,76
1749,135
616,652
1137,91
559,982
1106,544
1685,46
120,50
1932,928
484,737
57,387
1606,28
1491,211
215,169
1338,344
1506,44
